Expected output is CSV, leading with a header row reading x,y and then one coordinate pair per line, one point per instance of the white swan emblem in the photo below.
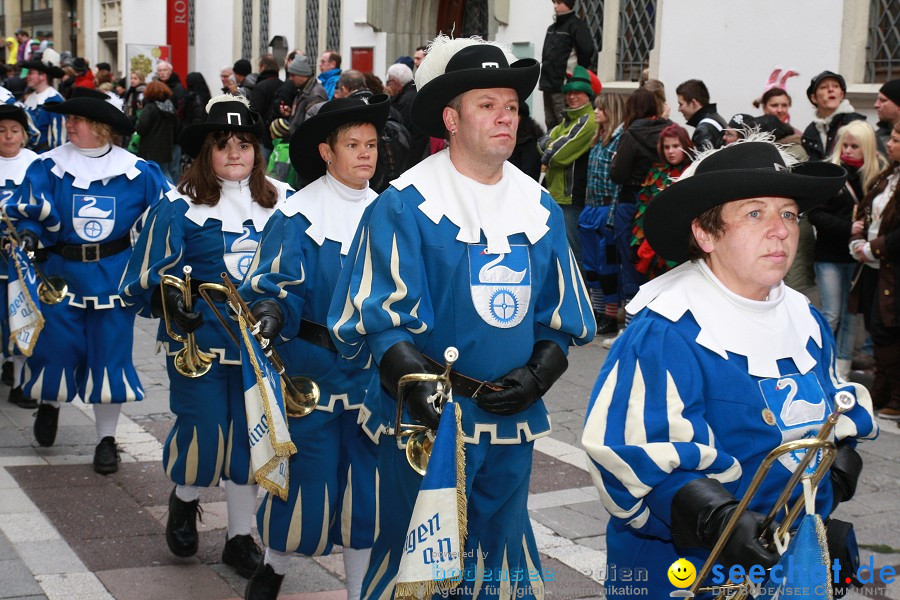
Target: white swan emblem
x,y
797,411
244,243
495,273
90,210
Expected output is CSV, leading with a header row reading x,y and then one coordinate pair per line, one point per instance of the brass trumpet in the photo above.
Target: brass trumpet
x,y
843,402
190,361
52,289
420,438
302,393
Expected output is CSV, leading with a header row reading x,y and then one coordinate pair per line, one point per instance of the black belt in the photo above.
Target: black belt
x,y
91,252
463,385
317,334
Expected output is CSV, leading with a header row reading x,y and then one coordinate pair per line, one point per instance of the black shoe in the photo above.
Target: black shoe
x,y
181,528
264,584
106,456
606,325
17,397
6,373
45,424
242,553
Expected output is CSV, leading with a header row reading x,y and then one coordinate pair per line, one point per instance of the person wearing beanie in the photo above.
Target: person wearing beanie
x,y
241,69
564,152
309,92
888,107
567,34
827,92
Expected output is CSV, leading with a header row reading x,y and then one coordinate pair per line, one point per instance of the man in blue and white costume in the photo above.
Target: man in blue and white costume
x,y
721,364
14,161
211,223
290,286
76,207
50,124
464,250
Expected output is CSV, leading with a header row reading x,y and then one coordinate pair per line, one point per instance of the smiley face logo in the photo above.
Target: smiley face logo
x,y
682,573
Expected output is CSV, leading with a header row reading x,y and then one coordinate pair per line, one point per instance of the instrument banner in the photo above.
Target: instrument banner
x,y
25,318
270,440
804,568
435,540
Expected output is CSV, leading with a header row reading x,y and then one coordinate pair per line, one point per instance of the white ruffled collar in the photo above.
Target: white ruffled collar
x,y
508,207
234,208
38,98
86,170
763,332
332,209
13,169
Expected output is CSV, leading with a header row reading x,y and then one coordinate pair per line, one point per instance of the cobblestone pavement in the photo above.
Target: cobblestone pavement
x,y
67,533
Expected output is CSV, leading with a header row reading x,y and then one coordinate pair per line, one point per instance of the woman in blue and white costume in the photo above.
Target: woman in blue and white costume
x,y
212,223
464,250
81,200
291,283
14,160
721,364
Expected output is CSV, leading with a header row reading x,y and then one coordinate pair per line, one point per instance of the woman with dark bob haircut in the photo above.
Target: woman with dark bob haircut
x,y
212,223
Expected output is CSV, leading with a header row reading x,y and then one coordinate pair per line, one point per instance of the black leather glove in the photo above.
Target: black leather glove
x,y
185,320
270,317
844,474
700,511
29,240
524,385
402,359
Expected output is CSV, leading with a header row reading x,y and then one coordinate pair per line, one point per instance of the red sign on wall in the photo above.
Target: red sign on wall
x,y
362,59
177,34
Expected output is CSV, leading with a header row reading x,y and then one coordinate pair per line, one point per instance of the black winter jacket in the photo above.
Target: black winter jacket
x,y
158,127
833,220
636,154
262,100
812,141
705,133
568,32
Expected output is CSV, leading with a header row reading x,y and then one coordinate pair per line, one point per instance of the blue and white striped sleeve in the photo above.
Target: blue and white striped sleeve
x,y
278,269
159,250
382,295
563,310
32,207
645,432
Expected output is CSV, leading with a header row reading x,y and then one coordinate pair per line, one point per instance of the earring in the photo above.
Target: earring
x,y
452,132
328,162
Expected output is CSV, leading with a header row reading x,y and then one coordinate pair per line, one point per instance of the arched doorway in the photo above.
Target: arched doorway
x,y
463,18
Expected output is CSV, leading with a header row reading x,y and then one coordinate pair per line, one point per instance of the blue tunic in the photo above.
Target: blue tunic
x,y
333,474
705,384
209,438
68,198
51,127
441,260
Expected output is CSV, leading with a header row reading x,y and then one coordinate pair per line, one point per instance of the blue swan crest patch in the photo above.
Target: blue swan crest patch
x,y
799,406
500,284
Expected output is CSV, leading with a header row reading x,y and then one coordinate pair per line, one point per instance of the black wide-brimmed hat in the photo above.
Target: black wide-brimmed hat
x,y
305,156
52,71
226,113
15,113
743,170
470,65
95,106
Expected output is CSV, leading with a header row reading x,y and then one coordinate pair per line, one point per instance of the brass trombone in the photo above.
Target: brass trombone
x,y
843,402
52,289
420,438
190,361
302,393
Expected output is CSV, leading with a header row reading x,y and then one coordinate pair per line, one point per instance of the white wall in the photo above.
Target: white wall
x,y
734,50
282,21
214,45
355,33
143,22
528,22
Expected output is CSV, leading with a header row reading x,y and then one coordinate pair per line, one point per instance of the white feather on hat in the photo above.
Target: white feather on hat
x,y
442,49
227,98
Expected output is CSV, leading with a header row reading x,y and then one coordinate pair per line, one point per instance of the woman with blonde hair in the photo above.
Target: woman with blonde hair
x,y
598,256
855,151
